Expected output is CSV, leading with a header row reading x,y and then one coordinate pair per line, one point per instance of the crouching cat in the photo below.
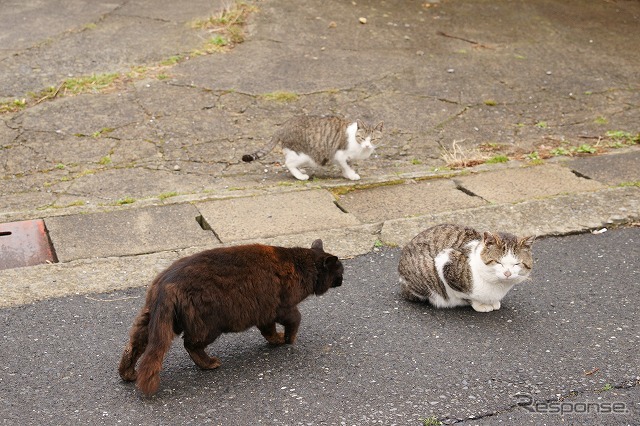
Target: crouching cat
x,y
452,265
224,290
313,140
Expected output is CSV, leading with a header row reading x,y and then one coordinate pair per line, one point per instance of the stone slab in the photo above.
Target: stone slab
x,y
127,232
405,200
27,285
554,216
612,169
276,214
525,183
342,242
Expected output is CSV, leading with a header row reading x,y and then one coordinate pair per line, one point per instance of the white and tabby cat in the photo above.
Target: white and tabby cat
x,y
453,265
318,140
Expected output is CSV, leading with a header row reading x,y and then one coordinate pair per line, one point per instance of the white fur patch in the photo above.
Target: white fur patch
x,y
455,298
490,283
294,161
356,151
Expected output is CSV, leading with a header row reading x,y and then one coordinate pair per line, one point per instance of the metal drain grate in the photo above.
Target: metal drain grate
x,y
25,243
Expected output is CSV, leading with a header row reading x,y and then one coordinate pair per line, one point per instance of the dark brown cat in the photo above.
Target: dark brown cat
x,y
224,290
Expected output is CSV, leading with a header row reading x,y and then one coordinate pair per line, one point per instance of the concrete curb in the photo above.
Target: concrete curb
x,y
542,217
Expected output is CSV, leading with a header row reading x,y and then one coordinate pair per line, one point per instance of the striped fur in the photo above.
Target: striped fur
x,y
320,140
451,265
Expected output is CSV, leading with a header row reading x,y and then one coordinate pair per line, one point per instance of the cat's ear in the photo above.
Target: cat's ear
x,y
379,126
317,245
360,124
527,241
490,239
331,262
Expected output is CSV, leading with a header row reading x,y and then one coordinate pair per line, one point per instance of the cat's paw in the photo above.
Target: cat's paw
x,y
496,305
352,176
301,176
129,375
481,307
212,364
276,339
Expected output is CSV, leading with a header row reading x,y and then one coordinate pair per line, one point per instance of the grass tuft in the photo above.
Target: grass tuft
x,y
280,96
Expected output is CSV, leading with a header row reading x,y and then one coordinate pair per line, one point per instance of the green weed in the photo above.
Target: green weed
x,y
125,200
533,156
93,83
498,159
586,149
280,96
75,203
102,132
623,137
105,160
229,22
166,195
13,106
172,60
556,152
542,125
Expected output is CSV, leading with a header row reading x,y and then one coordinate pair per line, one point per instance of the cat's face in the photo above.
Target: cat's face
x,y
329,267
367,136
507,256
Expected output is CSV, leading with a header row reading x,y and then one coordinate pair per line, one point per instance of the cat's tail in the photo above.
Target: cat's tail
x,y
160,336
139,337
247,158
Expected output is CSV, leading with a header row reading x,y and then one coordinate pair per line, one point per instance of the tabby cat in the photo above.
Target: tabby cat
x,y
452,265
221,291
318,140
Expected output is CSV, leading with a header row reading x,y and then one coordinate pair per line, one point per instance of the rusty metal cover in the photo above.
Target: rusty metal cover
x,y
25,243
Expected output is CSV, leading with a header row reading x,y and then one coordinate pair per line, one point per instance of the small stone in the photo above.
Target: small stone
x,y
363,20
332,24
176,168
616,219
451,70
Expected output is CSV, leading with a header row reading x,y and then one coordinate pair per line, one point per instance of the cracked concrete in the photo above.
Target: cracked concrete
x,y
430,75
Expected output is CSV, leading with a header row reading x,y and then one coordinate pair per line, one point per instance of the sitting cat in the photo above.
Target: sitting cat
x,y
221,291
452,265
313,140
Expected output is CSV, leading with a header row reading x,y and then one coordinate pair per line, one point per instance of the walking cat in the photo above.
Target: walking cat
x,y
224,290
318,140
452,265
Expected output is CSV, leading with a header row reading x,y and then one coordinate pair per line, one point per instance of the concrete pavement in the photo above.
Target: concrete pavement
x,y
364,355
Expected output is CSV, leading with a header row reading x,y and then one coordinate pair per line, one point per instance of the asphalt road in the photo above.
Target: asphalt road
x,y
363,356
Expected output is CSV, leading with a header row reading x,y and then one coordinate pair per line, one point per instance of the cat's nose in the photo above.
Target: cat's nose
x,y
507,274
